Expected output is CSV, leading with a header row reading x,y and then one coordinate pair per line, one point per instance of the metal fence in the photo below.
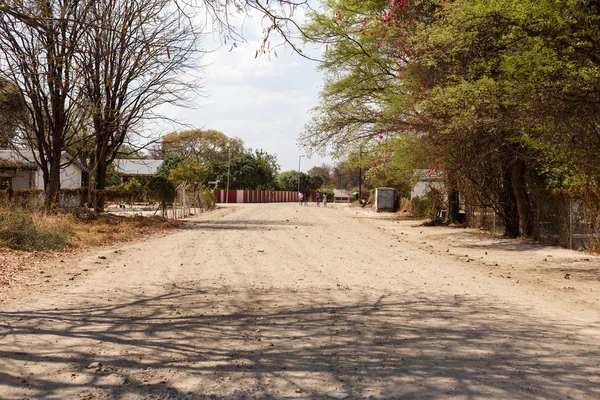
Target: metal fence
x,y
558,221
189,200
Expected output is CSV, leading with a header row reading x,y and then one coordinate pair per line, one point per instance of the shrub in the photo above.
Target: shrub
x,y
22,229
421,207
208,199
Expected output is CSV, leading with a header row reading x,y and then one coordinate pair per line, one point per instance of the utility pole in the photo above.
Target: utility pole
x,y
299,158
228,172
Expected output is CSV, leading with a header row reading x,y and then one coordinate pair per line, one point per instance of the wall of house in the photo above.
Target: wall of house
x,y
70,177
22,180
423,186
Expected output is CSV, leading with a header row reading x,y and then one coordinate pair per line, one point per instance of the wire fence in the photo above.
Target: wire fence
x,y
189,200
559,221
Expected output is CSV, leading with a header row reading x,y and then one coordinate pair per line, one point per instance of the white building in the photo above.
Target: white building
x,y
19,171
427,180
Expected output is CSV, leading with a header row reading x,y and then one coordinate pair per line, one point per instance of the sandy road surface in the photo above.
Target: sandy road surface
x,y
282,301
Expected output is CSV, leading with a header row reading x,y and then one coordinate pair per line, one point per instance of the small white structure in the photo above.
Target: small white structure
x,y
384,199
19,171
427,181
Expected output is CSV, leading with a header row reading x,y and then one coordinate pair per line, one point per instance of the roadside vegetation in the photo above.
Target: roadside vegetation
x,y
495,100
30,229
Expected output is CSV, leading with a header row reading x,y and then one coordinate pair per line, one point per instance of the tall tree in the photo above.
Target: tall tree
x,y
253,170
288,181
39,41
12,112
201,145
139,55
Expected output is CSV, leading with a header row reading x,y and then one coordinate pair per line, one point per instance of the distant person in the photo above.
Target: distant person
x,y
324,199
300,197
349,198
318,197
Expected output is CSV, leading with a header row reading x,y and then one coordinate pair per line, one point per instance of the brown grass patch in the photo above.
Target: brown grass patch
x,y
35,230
109,229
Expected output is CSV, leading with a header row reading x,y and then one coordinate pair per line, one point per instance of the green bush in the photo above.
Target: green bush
x,y
19,231
209,199
421,207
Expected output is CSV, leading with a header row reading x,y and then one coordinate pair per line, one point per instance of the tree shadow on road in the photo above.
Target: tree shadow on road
x,y
195,342
259,225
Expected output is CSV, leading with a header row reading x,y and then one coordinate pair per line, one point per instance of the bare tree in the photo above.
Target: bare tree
x,y
279,17
139,55
38,49
110,65
12,112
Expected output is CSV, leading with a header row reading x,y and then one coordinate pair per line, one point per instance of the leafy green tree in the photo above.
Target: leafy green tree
x,y
167,165
188,171
288,181
503,105
251,170
161,189
501,93
394,164
325,172
201,146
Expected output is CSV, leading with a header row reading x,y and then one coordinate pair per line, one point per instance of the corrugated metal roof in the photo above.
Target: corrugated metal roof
x,y
137,167
26,158
13,159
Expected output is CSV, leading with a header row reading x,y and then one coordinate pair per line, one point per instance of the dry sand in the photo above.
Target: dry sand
x,y
287,301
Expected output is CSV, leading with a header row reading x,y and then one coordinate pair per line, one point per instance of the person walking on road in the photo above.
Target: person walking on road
x,y
324,199
318,197
300,197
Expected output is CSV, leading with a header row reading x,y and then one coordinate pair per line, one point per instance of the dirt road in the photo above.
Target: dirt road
x,y
283,301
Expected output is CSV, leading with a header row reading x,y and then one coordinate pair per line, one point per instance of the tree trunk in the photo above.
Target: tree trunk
x,y
519,187
53,183
453,199
100,184
453,206
508,205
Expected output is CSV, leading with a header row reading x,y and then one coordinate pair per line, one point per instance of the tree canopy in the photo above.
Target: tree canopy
x,y
501,96
201,145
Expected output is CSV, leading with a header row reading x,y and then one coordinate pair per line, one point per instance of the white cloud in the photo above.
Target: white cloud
x,y
264,100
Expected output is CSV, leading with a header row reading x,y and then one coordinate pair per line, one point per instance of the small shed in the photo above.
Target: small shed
x,y
384,199
427,180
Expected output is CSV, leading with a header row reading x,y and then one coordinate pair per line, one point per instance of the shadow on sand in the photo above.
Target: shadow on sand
x,y
195,342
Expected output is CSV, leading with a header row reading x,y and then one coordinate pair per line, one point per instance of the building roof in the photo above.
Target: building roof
x,y
75,161
137,167
425,175
25,159
11,159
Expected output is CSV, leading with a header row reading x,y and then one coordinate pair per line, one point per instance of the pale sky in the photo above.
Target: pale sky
x,y
265,101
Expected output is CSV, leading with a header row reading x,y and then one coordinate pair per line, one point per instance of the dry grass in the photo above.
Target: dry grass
x,y
110,229
34,230
32,241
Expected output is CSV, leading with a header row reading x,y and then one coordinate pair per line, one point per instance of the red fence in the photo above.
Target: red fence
x,y
255,196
